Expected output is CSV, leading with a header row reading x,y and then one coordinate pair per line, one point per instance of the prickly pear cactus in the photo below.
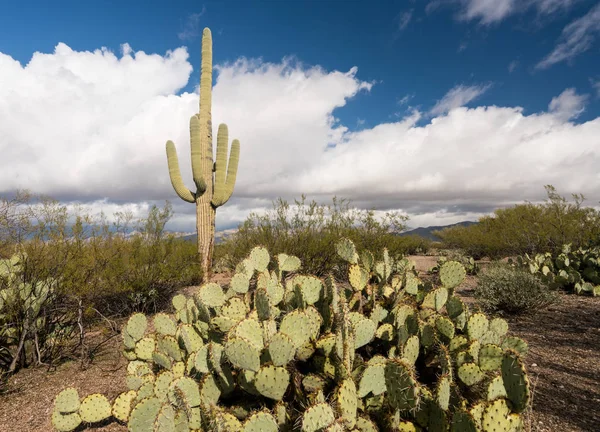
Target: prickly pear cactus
x,y
380,351
574,270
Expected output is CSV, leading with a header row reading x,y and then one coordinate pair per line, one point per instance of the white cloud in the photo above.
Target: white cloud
x,y
489,12
91,126
596,85
457,97
576,38
404,19
568,105
191,28
512,66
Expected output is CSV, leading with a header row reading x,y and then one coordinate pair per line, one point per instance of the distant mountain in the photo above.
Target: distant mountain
x,y
427,232
220,236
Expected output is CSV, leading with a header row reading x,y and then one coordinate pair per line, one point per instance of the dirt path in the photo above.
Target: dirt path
x,y
563,364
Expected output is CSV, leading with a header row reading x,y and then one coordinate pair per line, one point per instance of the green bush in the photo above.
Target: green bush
x,y
528,228
379,352
513,290
98,270
311,230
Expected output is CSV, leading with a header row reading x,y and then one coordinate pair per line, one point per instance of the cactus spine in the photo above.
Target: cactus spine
x,y
211,192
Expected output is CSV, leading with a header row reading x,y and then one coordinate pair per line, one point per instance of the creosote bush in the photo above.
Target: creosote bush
x,y
61,271
528,228
310,230
282,350
510,289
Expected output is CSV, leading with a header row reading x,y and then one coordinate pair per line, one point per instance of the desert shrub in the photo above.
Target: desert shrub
x,y
528,228
96,270
505,288
379,352
311,230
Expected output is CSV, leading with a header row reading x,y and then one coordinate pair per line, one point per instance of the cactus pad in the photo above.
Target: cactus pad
x,y
452,274
164,324
402,388
364,332
95,408
261,421
288,263
317,417
347,251
294,325
67,401
490,357
144,348
373,377
65,422
272,382
136,326
211,294
250,330
470,374
243,354
515,381
179,302
240,283
347,402
281,349
259,258
144,414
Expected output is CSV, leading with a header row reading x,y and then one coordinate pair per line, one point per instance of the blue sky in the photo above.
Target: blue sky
x,y
416,61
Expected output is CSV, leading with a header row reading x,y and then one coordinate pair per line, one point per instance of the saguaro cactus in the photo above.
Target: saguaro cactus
x,y
211,191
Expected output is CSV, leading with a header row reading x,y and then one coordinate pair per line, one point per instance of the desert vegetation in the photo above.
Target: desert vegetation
x,y
311,317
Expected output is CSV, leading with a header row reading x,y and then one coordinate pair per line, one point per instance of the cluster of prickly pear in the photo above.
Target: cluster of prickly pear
x,y
280,351
470,265
576,270
22,315
69,412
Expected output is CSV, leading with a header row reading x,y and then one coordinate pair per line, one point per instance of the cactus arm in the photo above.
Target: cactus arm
x,y
202,157
197,133
175,175
234,159
221,165
225,181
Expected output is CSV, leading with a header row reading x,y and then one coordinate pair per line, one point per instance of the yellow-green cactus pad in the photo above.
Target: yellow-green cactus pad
x,y
95,408
144,414
281,349
65,422
272,381
165,422
261,421
402,388
347,251
250,330
162,384
346,401
317,417
470,374
259,258
243,354
496,389
67,401
288,263
490,357
211,294
452,274
164,324
515,381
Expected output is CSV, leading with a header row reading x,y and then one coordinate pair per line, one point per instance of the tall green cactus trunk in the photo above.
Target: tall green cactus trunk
x,y
212,190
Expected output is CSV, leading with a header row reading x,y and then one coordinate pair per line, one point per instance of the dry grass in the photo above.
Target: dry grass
x,y
563,364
